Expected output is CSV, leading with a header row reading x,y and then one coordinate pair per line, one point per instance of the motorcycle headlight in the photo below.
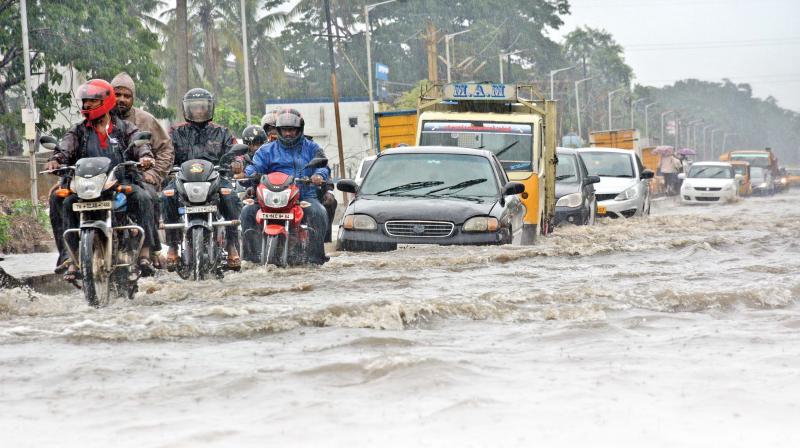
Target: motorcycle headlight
x,y
89,188
626,195
196,192
571,200
481,224
359,222
276,199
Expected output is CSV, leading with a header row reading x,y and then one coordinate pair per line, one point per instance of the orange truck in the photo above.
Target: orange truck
x,y
395,128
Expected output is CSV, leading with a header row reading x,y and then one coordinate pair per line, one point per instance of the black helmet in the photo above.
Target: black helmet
x,y
290,118
254,135
198,106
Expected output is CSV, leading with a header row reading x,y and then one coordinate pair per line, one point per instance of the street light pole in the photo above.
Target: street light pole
x,y
633,108
245,48
712,141
29,114
691,133
335,92
705,147
578,106
664,114
725,140
610,96
647,121
368,34
447,39
552,73
500,58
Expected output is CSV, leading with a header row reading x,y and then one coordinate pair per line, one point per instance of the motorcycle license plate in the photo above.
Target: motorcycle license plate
x,y
86,206
201,209
277,215
601,209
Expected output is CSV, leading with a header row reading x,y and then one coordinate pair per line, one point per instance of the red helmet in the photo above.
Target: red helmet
x,y
97,89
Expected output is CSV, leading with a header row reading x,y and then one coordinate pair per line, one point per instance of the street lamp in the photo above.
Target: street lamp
x,y
611,95
367,9
578,106
447,39
705,147
664,114
712,141
552,73
725,140
692,132
500,58
633,107
647,121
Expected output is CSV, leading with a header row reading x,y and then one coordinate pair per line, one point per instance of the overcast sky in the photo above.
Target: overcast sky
x,y
752,41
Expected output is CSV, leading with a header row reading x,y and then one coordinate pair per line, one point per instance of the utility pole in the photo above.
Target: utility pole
x,y
447,39
245,48
181,56
610,97
712,141
664,114
705,147
552,74
431,39
30,115
633,108
578,106
335,92
647,121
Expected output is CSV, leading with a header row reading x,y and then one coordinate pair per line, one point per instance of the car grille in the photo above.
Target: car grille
x,y
707,199
707,189
419,229
605,197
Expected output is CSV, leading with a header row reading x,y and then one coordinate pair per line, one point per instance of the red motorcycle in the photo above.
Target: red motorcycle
x,y
284,238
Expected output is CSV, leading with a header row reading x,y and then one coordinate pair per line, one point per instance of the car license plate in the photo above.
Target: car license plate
x,y
200,209
277,215
87,206
601,209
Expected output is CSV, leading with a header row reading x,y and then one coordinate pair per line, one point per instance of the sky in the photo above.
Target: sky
x,y
747,41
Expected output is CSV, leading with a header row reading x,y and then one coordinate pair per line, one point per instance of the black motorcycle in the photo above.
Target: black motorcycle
x,y
109,241
197,184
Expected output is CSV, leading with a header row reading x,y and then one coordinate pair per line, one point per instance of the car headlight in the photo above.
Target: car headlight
x,y
359,222
784,180
626,195
763,185
89,188
571,200
481,224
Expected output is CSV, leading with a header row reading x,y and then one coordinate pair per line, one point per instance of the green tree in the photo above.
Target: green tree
x,y
97,39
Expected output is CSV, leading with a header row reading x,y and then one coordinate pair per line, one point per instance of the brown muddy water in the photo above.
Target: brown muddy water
x,y
679,329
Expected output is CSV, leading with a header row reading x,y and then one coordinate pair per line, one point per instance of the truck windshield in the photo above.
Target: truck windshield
x,y
756,159
512,143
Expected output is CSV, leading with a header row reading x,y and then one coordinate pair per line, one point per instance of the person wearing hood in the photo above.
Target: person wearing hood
x,y
163,152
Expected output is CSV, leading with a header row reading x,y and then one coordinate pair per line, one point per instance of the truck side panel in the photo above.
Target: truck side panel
x,y
394,128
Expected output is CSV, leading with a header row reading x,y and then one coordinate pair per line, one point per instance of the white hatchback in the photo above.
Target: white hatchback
x,y
708,182
624,188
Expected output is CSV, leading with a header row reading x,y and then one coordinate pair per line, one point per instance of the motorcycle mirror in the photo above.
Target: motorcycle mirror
x,y
49,142
140,138
238,150
317,162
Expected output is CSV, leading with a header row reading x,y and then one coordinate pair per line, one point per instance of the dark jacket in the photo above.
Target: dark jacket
x,y
194,141
274,157
79,143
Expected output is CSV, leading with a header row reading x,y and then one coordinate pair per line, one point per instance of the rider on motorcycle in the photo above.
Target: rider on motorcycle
x,y
201,138
99,135
253,136
268,123
289,154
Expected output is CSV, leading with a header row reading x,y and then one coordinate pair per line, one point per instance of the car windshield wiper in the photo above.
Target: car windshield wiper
x,y
411,186
499,153
564,176
460,185
477,199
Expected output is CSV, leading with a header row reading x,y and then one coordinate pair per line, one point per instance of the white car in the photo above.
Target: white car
x,y
624,187
363,167
710,182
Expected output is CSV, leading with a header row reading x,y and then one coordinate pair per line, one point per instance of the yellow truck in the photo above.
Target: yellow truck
x,y
515,122
395,128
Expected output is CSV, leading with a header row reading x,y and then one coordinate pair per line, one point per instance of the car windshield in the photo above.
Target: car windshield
x,y
710,172
608,164
512,143
431,175
567,168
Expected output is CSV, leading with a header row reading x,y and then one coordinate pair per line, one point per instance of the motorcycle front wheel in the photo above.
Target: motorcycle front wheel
x,y
96,284
272,250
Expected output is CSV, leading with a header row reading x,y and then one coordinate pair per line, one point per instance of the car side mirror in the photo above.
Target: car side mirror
x,y
513,188
49,142
682,176
347,186
141,138
317,162
591,180
647,174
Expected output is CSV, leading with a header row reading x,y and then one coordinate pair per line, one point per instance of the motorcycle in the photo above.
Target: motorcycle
x,y
197,183
109,240
284,238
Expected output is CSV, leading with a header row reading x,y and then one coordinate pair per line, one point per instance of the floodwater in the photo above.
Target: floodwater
x,y
680,329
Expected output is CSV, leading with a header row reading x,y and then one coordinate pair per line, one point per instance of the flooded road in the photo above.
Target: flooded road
x,y
680,329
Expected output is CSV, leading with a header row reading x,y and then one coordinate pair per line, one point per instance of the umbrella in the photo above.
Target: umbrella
x,y
687,152
663,150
